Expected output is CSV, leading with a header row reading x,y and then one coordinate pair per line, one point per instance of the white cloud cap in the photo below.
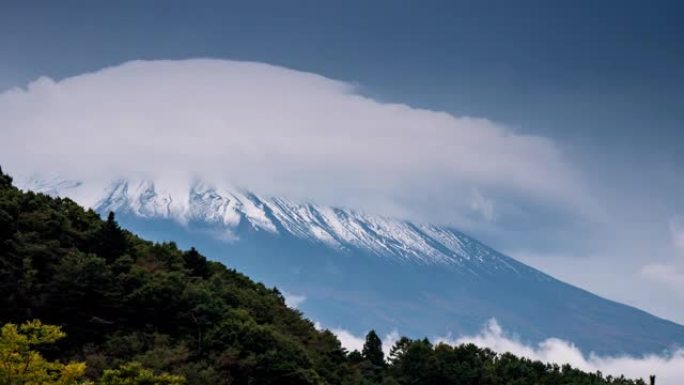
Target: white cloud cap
x,y
275,131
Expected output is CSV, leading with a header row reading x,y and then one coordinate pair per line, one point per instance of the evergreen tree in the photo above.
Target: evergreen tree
x,y
196,263
5,180
372,349
111,239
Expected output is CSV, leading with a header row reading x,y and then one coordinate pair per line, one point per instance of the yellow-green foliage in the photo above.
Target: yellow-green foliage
x,y
135,374
20,365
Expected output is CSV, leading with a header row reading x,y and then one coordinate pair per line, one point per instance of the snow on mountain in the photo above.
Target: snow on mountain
x,y
337,228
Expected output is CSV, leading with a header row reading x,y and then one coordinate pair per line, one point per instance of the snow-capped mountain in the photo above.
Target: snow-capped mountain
x,y
357,271
340,229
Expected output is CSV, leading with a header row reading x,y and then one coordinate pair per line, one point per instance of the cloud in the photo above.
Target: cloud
x,y
666,274
483,206
348,340
677,234
352,342
293,300
670,274
275,131
669,370
388,342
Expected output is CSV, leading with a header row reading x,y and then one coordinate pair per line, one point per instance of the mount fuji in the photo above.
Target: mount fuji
x,y
354,271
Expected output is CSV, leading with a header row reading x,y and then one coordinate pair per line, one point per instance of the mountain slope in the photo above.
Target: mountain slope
x,y
342,230
359,271
121,299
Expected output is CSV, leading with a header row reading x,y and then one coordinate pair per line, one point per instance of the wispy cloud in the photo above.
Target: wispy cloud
x,y
275,131
666,274
670,274
483,206
677,233
293,300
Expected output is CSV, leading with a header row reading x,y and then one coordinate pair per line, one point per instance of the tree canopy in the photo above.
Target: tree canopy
x,y
20,364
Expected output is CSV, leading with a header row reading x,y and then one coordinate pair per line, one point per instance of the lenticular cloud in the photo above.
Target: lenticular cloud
x,y
272,130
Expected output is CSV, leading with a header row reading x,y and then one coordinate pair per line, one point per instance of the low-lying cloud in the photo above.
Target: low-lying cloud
x,y
669,370
293,300
275,131
353,342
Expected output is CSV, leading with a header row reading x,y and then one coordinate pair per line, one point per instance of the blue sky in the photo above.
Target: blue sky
x,y
602,80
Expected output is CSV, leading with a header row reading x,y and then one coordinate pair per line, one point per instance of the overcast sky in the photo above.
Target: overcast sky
x,y
550,131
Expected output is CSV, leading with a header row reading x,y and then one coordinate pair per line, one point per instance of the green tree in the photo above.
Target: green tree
x,y
373,364
5,180
372,349
111,239
196,263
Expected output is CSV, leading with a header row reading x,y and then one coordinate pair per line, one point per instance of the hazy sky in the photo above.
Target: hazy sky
x,y
599,83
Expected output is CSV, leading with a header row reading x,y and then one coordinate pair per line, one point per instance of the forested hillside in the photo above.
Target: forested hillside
x,y
122,300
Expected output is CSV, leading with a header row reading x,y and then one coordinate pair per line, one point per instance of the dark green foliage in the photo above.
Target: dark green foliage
x,y
418,362
372,349
110,240
374,365
196,263
123,299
